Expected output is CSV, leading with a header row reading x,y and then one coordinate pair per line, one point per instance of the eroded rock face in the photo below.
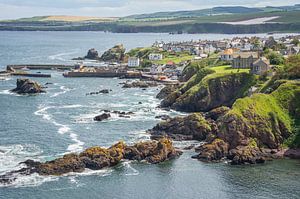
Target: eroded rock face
x,y
96,158
152,152
210,93
27,86
192,127
167,90
92,54
246,155
214,151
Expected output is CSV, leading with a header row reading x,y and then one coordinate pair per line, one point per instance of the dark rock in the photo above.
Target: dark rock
x,y
26,86
217,112
214,151
104,91
192,127
163,117
167,90
115,54
102,117
140,84
246,155
48,83
92,54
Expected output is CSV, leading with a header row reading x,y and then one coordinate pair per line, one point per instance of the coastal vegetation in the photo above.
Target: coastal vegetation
x,y
254,128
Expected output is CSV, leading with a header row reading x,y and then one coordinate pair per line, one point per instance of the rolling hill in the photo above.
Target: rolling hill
x,y
234,19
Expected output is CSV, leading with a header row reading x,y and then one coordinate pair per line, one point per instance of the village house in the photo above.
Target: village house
x,y
227,55
133,62
244,59
155,57
260,66
156,69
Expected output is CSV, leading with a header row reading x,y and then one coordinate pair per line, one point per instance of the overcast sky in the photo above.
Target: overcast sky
x,y
11,9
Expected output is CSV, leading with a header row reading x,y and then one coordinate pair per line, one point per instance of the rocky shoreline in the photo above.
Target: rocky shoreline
x,y
96,158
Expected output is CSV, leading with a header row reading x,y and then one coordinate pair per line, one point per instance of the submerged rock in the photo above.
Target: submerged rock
x,y
102,117
27,86
96,158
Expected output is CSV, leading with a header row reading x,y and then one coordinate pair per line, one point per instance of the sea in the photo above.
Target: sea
x,y
46,126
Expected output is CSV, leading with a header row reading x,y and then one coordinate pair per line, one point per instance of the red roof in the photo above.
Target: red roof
x,y
170,63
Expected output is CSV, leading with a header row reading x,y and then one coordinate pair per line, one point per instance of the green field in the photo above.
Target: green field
x,y
197,21
228,69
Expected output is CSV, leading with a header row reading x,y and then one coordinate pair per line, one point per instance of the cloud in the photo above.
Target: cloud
x,y
26,8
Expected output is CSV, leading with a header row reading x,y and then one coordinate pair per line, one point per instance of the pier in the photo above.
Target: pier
x,y
40,67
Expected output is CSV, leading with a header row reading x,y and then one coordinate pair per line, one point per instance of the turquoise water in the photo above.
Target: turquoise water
x,y
46,126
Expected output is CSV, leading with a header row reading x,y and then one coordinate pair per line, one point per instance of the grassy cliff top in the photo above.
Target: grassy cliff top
x,y
281,106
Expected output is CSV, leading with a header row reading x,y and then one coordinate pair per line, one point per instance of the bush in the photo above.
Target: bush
x,y
275,58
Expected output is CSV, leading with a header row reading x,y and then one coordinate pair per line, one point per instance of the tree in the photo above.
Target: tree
x,y
275,58
146,63
295,41
292,67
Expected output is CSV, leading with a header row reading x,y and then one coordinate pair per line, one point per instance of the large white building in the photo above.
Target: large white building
x,y
133,62
155,57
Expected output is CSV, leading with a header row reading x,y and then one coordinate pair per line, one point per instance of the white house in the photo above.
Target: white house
x,y
156,69
155,57
133,62
227,55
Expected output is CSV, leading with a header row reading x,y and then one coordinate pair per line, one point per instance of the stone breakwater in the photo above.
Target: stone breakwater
x,y
96,158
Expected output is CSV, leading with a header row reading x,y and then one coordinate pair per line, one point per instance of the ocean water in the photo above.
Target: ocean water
x,y
60,121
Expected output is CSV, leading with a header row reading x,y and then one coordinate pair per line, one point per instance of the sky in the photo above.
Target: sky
x,y
12,9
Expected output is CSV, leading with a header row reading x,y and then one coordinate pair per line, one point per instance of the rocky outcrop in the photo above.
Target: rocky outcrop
x,y
167,90
152,152
102,117
115,54
246,155
210,92
27,86
192,127
256,127
140,84
96,158
92,54
212,152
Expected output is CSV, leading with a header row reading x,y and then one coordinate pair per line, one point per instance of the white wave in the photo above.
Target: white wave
x,y
32,180
8,92
89,172
11,156
64,90
43,112
138,136
61,56
63,129
78,146
5,78
132,171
